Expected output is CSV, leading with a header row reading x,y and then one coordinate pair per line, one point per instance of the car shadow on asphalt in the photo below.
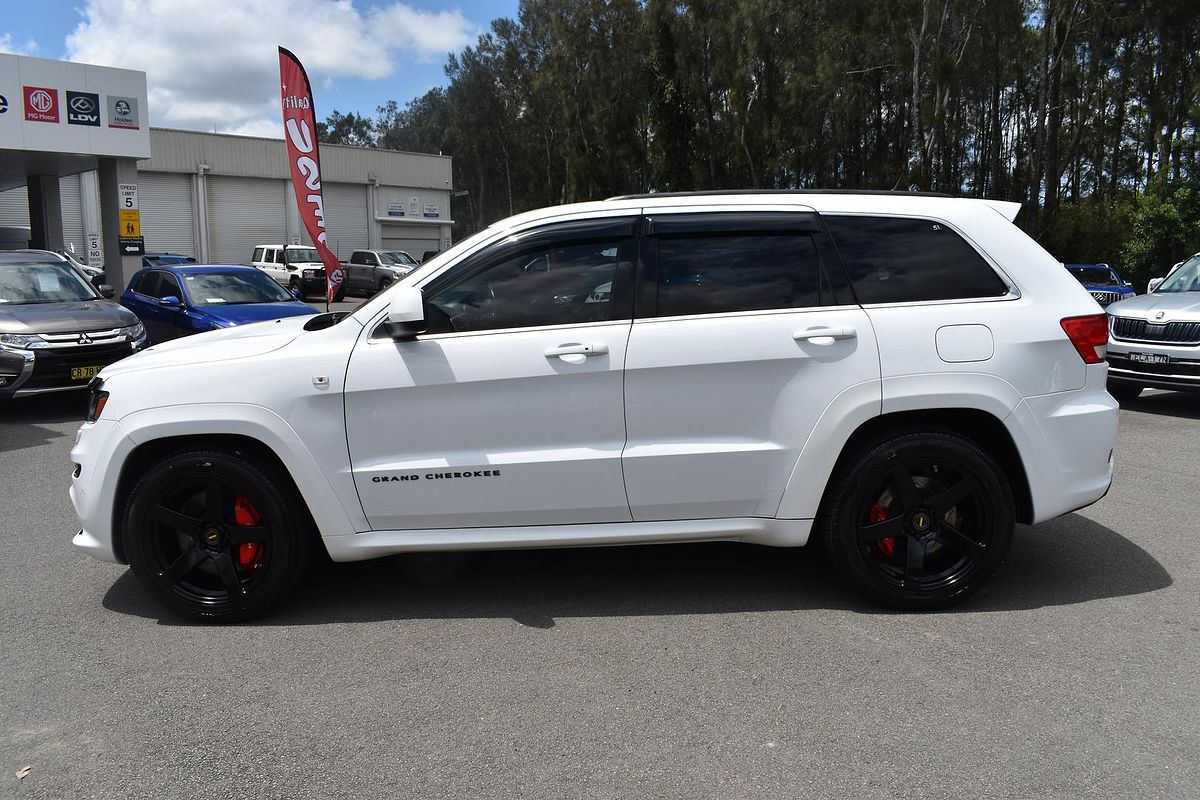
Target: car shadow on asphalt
x,y
1185,405
21,419
1066,561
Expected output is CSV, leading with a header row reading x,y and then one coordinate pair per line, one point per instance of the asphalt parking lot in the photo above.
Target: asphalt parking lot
x,y
667,672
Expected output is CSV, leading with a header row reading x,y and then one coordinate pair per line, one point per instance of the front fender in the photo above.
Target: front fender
x,y
323,485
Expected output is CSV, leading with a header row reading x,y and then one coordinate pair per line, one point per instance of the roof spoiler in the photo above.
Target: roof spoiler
x,y
1005,209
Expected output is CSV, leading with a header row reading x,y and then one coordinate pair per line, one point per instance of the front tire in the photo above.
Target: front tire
x,y
918,522
217,535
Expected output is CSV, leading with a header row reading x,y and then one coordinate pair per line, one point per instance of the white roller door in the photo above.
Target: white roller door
x,y
243,213
165,199
412,239
345,218
14,208
72,216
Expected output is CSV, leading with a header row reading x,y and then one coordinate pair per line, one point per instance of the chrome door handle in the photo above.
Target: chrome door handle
x,y
816,335
577,350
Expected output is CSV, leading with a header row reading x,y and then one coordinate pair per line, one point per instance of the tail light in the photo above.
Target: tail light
x,y
1089,335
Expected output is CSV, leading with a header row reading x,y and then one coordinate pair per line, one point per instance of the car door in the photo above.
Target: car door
x,y
143,299
354,270
173,319
745,334
508,410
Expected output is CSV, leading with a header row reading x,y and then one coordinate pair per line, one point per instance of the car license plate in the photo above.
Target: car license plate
x,y
1149,358
84,373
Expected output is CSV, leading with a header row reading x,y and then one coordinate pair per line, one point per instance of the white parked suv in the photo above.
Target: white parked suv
x,y
900,377
295,267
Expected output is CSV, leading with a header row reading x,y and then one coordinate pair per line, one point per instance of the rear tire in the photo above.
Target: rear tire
x,y
217,535
918,522
1124,393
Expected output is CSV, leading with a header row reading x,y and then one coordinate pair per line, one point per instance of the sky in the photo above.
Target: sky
x,y
213,64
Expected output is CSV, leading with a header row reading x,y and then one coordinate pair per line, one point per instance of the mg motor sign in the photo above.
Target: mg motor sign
x,y
41,104
83,108
304,162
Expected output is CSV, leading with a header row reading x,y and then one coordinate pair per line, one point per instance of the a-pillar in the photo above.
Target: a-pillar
x,y
45,212
118,267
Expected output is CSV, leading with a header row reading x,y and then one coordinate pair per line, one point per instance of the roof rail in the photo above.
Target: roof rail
x,y
713,192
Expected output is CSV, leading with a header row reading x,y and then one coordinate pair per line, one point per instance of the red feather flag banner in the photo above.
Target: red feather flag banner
x,y
304,160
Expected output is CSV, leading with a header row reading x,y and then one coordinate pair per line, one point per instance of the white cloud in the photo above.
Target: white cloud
x,y
7,45
216,64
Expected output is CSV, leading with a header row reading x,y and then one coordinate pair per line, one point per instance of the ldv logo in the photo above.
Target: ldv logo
x,y
41,104
83,108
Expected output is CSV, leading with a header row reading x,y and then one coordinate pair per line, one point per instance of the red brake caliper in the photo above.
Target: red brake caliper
x,y
250,554
877,514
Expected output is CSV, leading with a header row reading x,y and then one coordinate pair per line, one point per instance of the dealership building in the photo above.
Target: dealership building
x,y
75,152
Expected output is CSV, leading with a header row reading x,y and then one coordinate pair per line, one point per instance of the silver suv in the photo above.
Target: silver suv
x,y
1154,339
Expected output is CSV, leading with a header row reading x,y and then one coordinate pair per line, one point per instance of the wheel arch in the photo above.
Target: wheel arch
x,y
156,432
147,453
973,424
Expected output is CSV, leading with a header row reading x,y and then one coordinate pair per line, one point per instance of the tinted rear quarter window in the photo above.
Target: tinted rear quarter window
x,y
901,260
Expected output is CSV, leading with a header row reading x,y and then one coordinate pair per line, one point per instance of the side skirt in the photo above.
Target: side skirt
x,y
752,530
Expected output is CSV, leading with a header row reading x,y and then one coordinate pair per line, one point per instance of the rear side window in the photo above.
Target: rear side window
x,y
750,271
148,285
898,260
258,254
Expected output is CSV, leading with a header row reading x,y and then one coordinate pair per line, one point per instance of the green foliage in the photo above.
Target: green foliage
x,y
1070,107
1164,227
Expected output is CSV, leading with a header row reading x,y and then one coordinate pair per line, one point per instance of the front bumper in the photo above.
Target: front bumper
x,y
1181,371
92,490
32,372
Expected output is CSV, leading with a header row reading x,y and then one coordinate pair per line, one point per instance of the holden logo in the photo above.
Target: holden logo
x,y
122,107
83,104
41,101
84,339
1159,314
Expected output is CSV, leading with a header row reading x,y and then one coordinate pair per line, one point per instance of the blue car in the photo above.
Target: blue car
x,y
1102,282
174,301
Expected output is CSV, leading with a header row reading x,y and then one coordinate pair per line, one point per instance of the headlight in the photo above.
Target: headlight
x,y
134,331
401,271
310,273
97,400
23,341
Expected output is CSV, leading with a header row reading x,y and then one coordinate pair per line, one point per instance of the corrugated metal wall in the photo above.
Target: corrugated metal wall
x,y
168,224
14,207
243,213
72,216
182,151
345,218
412,239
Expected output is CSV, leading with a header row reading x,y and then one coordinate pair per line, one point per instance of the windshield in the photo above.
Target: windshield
x,y
298,255
1095,276
26,284
398,257
1184,279
233,288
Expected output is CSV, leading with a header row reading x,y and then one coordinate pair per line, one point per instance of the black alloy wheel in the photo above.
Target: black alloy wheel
x,y
919,522
216,535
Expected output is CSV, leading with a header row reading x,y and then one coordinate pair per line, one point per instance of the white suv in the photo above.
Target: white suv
x,y
901,377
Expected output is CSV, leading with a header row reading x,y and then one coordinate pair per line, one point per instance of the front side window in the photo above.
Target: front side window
x,y
559,283
751,271
169,286
27,284
900,260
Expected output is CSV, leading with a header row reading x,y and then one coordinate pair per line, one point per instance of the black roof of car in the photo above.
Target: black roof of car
x,y
26,256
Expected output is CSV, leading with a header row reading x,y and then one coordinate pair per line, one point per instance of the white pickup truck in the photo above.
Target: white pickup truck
x,y
295,266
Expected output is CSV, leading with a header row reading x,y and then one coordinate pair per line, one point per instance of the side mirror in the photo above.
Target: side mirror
x,y
106,291
171,300
406,311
